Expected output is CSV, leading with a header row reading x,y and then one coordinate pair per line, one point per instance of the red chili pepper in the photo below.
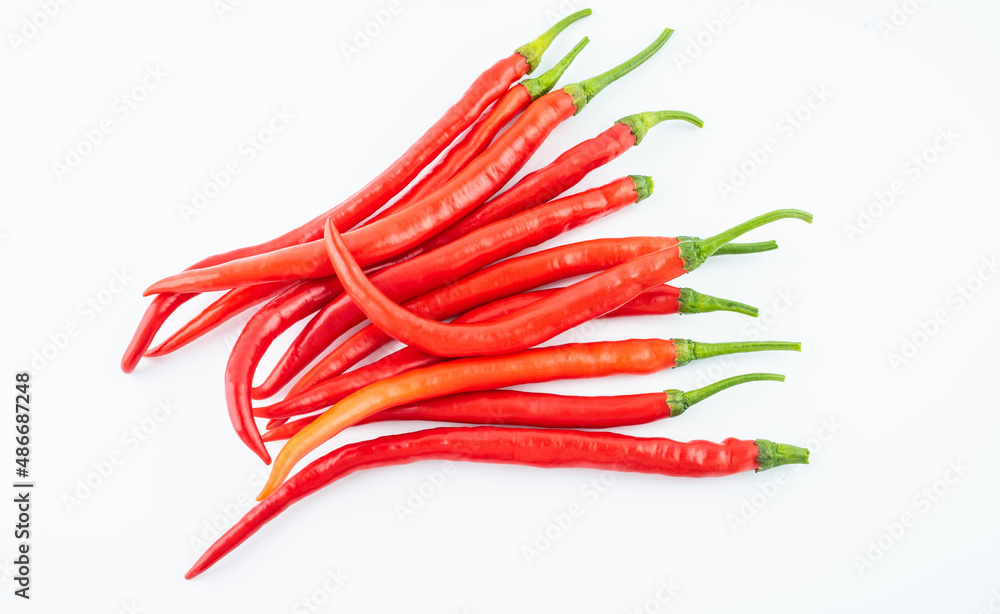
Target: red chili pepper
x,y
263,328
518,408
505,278
228,305
655,301
517,446
659,300
448,263
571,361
398,233
541,321
482,133
489,86
552,180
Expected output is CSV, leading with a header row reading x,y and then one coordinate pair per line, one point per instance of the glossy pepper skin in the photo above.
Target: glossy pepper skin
x,y
386,238
505,278
431,270
486,88
326,394
482,133
662,300
517,446
550,181
572,361
453,261
535,409
230,304
541,321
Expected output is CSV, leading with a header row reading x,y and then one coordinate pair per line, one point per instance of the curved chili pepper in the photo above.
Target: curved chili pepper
x,y
482,133
227,306
541,321
451,262
552,180
489,86
658,300
536,409
471,187
655,301
573,361
249,348
517,446
506,278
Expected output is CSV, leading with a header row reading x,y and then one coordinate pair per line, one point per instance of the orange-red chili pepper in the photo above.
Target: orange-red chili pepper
x,y
489,86
578,360
471,187
505,278
448,263
661,300
519,408
547,448
544,319
482,133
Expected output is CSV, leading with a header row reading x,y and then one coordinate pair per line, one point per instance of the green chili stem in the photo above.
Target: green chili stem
x,y
678,400
532,52
695,252
640,123
746,248
695,302
643,186
584,91
770,455
543,83
688,350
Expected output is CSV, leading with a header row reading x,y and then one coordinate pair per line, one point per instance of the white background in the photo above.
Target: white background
x,y
881,432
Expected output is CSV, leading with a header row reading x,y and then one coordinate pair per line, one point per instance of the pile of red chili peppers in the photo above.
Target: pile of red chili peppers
x,y
427,254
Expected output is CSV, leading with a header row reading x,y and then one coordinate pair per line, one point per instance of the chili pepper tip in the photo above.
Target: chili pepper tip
x,y
678,400
643,186
640,123
690,301
532,52
543,83
771,455
694,251
584,91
